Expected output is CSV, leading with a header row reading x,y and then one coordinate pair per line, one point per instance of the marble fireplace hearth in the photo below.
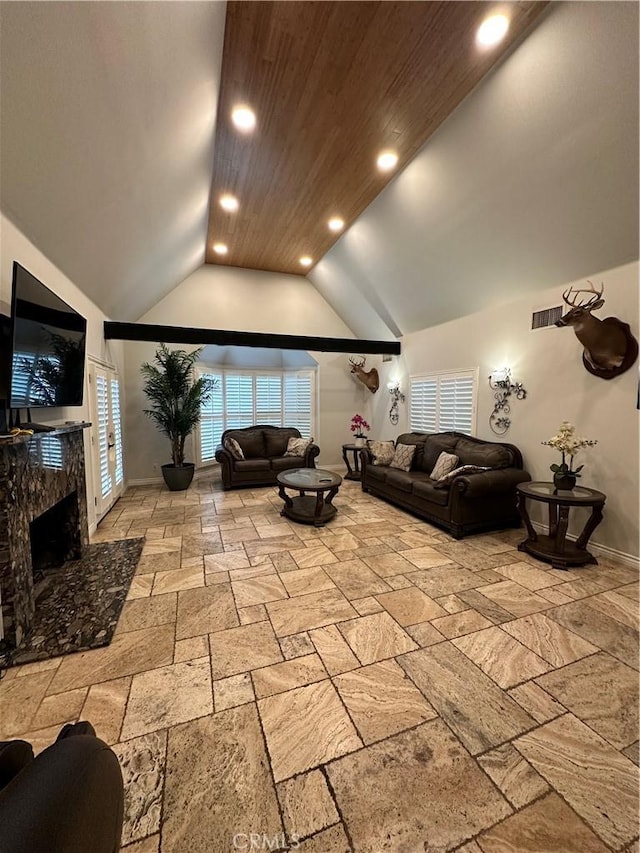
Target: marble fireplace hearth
x,y
79,603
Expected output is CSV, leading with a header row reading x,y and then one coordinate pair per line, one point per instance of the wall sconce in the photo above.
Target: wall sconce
x,y
396,397
500,382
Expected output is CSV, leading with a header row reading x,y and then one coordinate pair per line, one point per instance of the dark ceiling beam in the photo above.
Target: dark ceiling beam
x,y
221,337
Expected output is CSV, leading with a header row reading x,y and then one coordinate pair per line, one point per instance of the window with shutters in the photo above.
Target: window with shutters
x,y
102,400
444,401
244,398
211,418
117,429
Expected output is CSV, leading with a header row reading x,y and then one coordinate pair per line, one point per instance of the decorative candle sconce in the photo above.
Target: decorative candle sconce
x,y
396,397
500,382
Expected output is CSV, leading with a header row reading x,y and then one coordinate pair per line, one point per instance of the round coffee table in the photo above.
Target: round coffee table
x,y
554,547
315,508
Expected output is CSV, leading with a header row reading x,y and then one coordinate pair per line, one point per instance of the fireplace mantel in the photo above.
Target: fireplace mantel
x,y
36,473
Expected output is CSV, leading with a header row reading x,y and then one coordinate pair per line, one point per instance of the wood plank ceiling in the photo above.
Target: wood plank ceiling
x,y
332,84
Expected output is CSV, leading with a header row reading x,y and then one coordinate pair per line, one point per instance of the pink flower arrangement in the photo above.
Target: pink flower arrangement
x,y
358,425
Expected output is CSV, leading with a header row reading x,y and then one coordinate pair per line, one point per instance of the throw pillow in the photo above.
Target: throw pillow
x,y
403,457
297,446
382,451
234,448
462,471
445,462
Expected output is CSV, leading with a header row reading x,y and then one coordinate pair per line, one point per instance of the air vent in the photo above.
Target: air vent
x,y
546,317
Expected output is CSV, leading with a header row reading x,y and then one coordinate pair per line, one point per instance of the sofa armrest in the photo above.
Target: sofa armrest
x,y
310,456
226,466
366,458
223,455
490,482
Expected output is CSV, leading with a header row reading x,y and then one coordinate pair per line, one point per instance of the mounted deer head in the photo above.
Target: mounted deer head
x,y
609,346
369,378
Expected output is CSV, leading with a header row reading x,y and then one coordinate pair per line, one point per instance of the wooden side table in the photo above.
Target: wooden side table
x,y
554,548
352,473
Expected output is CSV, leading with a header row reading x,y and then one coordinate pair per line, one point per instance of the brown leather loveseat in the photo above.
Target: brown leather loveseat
x,y
468,503
263,447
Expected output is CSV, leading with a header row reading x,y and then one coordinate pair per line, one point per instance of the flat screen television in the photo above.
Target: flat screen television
x,y
48,346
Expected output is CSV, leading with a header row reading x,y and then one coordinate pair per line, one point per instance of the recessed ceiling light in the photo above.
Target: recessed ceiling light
x,y
244,118
336,224
306,261
492,30
387,160
229,203
220,248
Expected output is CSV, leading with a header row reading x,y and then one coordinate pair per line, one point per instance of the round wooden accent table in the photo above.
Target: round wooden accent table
x,y
315,508
554,548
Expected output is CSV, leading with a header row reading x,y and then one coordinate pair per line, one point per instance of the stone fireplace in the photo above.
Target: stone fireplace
x,y
43,517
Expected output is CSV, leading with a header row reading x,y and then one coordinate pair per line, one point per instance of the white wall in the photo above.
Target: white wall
x,y
231,298
548,362
16,247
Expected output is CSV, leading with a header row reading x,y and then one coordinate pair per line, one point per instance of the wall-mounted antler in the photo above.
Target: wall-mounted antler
x,y
369,378
609,346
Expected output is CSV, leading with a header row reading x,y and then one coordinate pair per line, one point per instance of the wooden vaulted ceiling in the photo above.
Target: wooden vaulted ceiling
x,y
332,84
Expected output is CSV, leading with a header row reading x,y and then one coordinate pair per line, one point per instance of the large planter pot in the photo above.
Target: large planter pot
x,y
178,477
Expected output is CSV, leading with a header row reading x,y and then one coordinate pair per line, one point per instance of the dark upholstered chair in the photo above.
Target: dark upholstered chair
x,y
263,447
69,799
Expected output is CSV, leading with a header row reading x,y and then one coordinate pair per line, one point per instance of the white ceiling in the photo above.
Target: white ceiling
x,y
107,117
257,357
533,181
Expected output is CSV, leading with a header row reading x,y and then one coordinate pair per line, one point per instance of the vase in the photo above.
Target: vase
x,y
564,482
360,440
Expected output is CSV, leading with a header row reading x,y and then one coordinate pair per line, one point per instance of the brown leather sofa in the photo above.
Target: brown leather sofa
x,y
470,503
263,447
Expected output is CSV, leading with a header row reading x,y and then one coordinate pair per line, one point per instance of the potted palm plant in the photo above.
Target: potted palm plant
x,y
176,400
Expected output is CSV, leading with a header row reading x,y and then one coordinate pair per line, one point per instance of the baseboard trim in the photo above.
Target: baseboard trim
x,y
207,471
198,474
599,550
145,481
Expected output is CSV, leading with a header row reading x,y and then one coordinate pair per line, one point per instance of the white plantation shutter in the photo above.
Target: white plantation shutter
x,y
238,398
284,398
102,400
456,403
445,401
117,429
423,410
298,402
268,399
107,463
211,418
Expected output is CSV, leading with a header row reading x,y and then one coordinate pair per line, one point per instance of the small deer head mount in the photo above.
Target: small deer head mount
x,y
609,346
369,378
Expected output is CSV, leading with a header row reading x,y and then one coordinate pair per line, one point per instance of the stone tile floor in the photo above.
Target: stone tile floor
x,y
369,686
